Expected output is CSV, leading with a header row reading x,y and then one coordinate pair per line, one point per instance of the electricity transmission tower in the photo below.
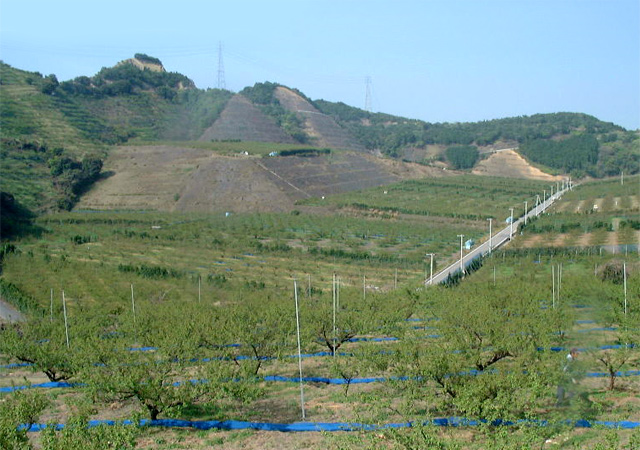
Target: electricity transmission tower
x,y
221,82
367,97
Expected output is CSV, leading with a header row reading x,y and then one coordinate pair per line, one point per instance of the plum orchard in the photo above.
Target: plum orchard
x,y
487,363
480,351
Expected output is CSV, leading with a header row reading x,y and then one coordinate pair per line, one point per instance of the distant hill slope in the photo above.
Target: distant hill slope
x,y
181,178
508,163
322,129
44,121
557,141
241,120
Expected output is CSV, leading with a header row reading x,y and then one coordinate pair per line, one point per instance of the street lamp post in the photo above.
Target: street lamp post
x,y
431,271
511,224
461,236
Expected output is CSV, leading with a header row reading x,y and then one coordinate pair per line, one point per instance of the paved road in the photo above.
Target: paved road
x,y
9,314
496,240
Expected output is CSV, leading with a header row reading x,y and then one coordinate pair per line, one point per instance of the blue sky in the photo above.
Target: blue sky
x,y
439,61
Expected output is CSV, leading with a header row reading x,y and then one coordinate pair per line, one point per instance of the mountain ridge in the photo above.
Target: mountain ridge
x,y
137,102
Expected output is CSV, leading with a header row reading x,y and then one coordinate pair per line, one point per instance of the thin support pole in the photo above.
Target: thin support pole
x,y
66,323
559,280
553,286
364,287
133,309
295,293
431,272
335,332
624,278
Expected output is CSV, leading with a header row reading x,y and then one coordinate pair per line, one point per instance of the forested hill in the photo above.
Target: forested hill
x,y
568,142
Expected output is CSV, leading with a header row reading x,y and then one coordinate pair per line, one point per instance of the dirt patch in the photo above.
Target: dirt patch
x,y
324,131
242,120
508,163
182,179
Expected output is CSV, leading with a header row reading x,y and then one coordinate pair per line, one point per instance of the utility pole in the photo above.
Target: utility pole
x,y
490,219
461,236
525,212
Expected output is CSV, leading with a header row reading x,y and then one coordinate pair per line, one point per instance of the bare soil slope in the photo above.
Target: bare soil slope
x,y
322,128
186,179
241,120
508,163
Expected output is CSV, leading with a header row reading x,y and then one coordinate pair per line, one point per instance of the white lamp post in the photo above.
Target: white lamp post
x,y
511,224
431,272
461,236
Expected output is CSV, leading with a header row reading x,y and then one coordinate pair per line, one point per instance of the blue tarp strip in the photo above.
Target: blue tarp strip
x,y
49,385
331,427
324,380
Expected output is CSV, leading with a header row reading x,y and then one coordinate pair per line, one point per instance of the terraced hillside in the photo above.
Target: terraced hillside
x,y
240,120
323,129
182,178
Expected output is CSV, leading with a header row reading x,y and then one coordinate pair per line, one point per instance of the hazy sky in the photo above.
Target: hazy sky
x,y
439,61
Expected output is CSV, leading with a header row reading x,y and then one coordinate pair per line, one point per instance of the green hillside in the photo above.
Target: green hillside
x,y
41,119
138,101
570,142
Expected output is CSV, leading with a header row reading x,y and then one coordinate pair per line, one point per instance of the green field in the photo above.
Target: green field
x,y
190,285
465,197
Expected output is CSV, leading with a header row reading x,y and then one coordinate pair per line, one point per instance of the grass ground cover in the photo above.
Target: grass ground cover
x,y
115,250
465,196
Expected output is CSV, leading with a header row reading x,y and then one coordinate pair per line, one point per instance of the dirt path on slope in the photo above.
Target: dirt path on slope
x,y
508,163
